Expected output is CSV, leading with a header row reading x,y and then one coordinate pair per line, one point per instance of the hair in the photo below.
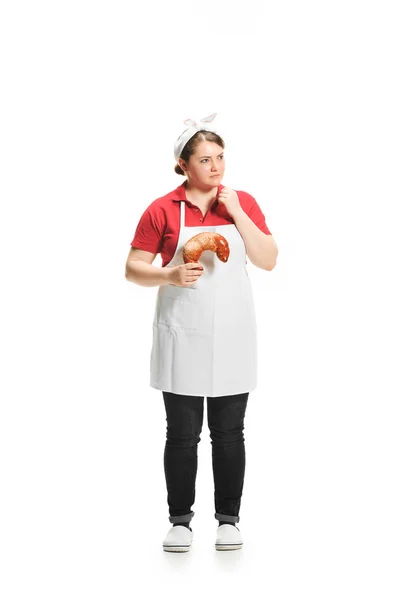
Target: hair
x,y
191,145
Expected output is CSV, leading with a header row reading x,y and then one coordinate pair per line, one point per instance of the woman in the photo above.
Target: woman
x,y
204,328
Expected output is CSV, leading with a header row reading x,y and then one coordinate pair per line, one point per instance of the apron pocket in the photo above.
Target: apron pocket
x,y
178,307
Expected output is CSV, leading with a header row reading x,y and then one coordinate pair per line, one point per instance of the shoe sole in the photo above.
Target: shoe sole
x,y
176,548
228,546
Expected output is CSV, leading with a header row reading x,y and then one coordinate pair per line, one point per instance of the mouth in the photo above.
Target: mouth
x,y
217,175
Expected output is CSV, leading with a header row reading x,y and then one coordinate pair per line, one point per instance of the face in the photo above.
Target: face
x,y
206,166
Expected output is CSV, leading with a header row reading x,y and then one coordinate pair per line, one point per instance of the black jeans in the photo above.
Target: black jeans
x,y
184,415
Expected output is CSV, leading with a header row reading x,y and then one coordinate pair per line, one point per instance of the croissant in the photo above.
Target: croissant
x,y
208,240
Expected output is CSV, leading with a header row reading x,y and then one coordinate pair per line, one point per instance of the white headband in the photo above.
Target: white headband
x,y
190,132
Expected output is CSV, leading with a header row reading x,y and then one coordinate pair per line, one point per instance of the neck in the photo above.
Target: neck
x,y
204,191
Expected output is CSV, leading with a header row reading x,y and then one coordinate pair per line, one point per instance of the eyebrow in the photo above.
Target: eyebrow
x,y
210,156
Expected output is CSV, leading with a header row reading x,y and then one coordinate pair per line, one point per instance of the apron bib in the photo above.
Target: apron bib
x,y
205,335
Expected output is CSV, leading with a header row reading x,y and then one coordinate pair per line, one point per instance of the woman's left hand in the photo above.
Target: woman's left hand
x,y
230,200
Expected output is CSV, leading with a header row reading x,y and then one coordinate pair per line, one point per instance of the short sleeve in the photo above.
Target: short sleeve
x,y
256,215
149,231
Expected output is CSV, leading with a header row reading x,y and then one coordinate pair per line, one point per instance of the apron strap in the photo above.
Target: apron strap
x,y
182,214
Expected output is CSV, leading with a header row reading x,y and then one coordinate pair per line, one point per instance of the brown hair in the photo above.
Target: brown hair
x,y
190,146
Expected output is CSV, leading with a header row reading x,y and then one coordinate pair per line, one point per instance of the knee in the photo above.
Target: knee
x,y
227,436
182,439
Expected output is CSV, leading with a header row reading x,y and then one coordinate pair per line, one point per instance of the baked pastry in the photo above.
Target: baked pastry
x,y
208,240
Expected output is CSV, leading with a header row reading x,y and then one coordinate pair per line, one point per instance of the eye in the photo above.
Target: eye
x,y
204,159
221,156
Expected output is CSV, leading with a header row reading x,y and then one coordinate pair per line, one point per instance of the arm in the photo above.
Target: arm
x,y
139,269
260,247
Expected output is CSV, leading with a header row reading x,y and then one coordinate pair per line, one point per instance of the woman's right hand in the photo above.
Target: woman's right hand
x,y
186,274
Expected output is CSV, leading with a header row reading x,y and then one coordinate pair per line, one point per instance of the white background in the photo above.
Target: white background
x,y
93,96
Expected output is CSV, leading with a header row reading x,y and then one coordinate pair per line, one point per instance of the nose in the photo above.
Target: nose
x,y
213,165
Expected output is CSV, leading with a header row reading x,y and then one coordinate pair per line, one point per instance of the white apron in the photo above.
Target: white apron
x,y
205,335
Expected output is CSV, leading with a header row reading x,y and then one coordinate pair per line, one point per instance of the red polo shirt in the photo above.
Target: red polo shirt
x,y
158,227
